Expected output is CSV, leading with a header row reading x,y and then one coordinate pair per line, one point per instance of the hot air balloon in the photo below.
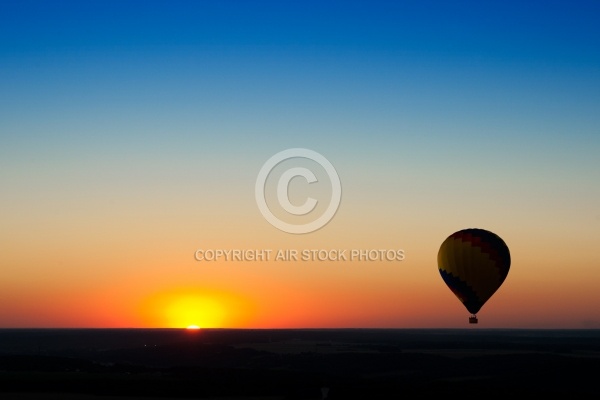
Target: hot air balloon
x,y
473,263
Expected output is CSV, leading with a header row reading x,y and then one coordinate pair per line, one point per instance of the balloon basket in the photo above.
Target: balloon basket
x,y
473,319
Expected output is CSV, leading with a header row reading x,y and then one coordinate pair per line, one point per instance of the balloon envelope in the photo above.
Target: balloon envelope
x,y
473,263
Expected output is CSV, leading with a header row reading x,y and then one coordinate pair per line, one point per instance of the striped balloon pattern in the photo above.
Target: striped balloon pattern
x,y
473,263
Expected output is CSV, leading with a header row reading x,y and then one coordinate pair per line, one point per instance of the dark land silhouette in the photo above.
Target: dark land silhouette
x,y
296,363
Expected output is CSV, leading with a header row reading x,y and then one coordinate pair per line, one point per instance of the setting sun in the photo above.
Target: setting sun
x,y
194,308
189,310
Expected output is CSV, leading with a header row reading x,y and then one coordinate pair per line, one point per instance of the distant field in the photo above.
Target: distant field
x,y
358,364
71,396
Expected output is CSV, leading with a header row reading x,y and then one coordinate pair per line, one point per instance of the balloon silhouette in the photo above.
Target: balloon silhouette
x,y
473,263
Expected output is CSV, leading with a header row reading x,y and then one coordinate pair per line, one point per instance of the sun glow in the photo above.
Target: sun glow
x,y
195,308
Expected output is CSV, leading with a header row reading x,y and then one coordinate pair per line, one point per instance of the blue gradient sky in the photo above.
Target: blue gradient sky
x,y
131,127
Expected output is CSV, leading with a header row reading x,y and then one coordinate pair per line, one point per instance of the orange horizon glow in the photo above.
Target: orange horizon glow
x,y
297,296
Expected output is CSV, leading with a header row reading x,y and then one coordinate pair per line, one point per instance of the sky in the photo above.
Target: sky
x,y
132,134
